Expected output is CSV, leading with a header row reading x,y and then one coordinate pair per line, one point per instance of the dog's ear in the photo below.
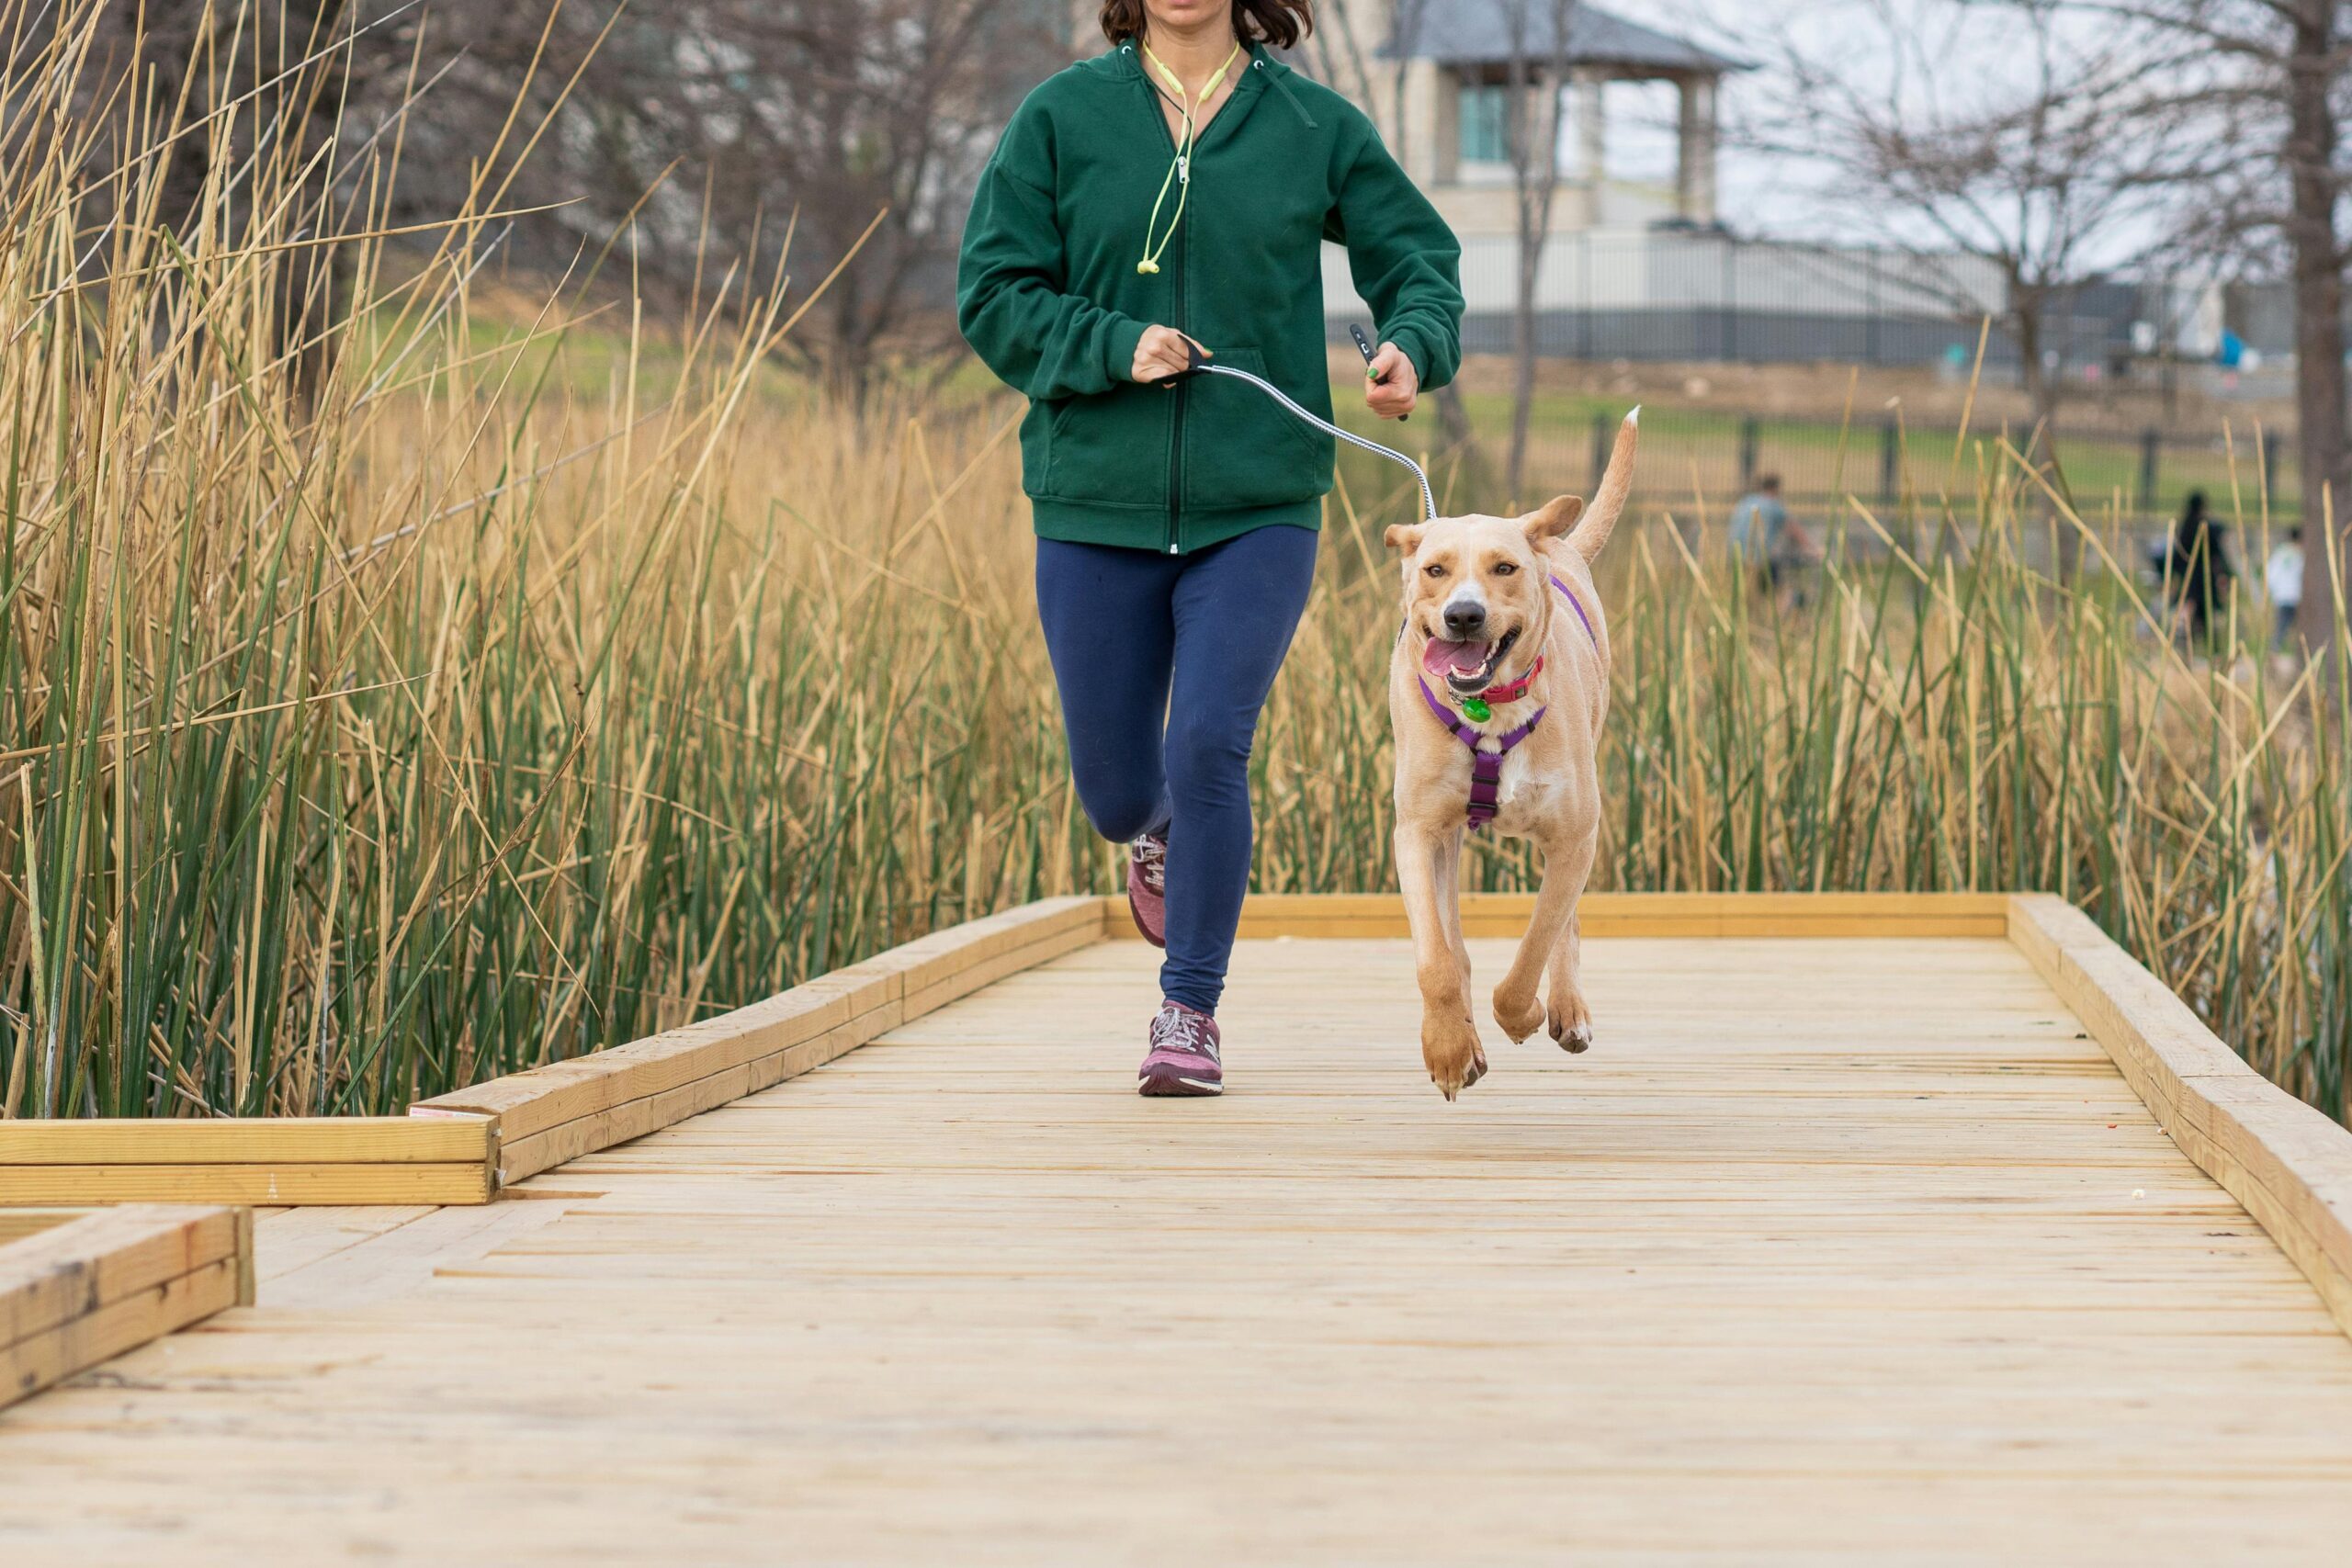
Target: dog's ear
x,y
1554,518
1404,538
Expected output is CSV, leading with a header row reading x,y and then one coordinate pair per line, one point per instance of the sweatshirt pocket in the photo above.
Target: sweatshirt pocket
x,y
1111,447
1242,448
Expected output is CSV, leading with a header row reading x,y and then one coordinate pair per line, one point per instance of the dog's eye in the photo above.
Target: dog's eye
x,y
1505,568
1434,569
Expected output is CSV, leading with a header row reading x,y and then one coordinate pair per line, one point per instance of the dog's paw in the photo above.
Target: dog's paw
x,y
1521,1021
1570,1026
1450,1050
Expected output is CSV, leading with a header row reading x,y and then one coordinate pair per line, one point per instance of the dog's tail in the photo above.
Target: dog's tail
x,y
1592,530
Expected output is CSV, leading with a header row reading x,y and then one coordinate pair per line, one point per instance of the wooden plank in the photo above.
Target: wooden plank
x,y
543,1151
1306,916
1828,1248
289,1239
945,954
1698,926
248,1258
406,1257
88,1288
352,1140
1750,905
1829,1251
534,1100
31,1365
565,1092
71,1270
2288,1164
17,1223
550,1114
987,972
259,1184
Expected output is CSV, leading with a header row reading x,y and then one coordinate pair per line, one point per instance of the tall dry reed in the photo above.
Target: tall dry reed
x,y
527,682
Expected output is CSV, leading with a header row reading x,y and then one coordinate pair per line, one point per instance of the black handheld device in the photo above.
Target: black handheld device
x,y
1364,346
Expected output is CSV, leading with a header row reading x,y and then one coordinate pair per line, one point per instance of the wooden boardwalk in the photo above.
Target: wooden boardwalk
x,y
1830,1250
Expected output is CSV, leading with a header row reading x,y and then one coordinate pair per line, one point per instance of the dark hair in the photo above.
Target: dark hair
x,y
1279,24
2194,513
1767,481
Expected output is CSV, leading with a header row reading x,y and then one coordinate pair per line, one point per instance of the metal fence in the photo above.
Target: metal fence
x,y
1699,462
1674,295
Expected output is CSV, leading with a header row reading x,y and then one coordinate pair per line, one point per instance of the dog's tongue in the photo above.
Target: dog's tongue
x,y
1442,658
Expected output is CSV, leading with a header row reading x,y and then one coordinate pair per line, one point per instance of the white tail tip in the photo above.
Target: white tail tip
x,y
1633,417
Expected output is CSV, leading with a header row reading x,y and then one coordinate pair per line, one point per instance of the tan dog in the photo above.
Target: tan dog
x,y
1486,600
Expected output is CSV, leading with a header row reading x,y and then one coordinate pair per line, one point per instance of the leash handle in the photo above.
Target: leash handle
x,y
1364,346
1195,362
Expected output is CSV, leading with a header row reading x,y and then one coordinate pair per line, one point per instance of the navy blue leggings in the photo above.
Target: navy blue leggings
x,y
1163,663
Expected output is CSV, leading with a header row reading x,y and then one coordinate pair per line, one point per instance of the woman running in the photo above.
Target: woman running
x,y
1173,194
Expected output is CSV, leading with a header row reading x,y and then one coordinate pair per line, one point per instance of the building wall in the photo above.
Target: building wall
x,y
1636,294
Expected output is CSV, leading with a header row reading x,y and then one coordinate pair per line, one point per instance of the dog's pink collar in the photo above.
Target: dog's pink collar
x,y
1487,767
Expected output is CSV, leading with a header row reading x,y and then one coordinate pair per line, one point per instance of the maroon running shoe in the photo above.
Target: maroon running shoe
x,y
1148,888
1184,1056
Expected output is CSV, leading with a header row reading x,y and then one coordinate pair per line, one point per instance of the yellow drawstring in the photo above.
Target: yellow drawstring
x,y
1180,172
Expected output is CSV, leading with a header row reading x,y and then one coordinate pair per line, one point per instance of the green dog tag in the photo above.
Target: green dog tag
x,y
1478,709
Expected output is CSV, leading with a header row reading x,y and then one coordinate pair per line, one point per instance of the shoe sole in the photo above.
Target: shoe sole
x,y
1156,939
1170,1085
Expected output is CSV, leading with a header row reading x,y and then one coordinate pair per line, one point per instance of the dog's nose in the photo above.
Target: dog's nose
x,y
1465,619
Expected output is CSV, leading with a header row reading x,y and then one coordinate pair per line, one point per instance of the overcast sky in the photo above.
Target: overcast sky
x,y
1755,192
1973,48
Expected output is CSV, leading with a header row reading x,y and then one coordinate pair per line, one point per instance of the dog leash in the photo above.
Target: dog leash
x,y
1199,365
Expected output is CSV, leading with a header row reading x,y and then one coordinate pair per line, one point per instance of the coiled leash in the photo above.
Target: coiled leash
x,y
1197,365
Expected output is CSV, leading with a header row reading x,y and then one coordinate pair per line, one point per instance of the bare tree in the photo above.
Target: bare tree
x,y
221,114
1405,20
2030,169
717,129
1336,51
1536,77
822,117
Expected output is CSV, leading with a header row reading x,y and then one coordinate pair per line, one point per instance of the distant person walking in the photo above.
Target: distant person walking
x,y
2284,577
1766,537
2199,570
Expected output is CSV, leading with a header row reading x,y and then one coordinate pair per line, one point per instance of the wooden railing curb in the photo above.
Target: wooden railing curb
x,y
77,1289
2290,1165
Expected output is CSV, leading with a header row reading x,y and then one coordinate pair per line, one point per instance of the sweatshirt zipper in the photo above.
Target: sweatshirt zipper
x,y
1176,287
1176,460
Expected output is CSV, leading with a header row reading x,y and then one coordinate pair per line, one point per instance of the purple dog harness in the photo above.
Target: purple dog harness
x,y
1487,767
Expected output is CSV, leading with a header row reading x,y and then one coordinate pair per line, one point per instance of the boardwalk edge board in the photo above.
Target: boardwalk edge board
x,y
548,1116
2288,1163
85,1287
264,1160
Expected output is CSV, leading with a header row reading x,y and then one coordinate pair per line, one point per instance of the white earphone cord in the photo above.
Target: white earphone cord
x,y
1428,500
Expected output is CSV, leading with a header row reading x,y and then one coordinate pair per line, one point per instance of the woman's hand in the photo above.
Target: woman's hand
x,y
1161,354
1393,386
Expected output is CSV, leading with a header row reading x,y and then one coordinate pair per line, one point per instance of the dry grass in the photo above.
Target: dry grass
x,y
497,704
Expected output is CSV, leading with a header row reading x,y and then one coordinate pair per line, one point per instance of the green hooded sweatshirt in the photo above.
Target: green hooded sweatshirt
x,y
1048,296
